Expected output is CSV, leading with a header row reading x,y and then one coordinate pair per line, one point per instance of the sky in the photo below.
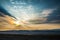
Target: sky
x,y
39,11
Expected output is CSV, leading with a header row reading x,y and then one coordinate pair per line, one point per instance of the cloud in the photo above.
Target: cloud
x,y
6,21
43,16
55,21
54,17
46,12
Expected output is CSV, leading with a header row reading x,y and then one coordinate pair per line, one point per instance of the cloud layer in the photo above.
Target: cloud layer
x,y
6,21
43,16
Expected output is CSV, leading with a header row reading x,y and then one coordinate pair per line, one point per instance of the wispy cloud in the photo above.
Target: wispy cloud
x,y
46,12
43,16
6,21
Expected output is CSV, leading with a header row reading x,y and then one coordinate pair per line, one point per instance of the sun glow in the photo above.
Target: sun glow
x,y
21,22
17,23
21,10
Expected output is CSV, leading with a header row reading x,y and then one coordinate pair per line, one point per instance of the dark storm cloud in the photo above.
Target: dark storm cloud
x,y
4,11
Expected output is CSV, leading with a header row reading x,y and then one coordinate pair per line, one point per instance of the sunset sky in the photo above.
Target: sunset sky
x,y
45,10
19,12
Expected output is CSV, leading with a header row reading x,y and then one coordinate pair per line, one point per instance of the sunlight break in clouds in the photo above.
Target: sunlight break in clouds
x,y
24,11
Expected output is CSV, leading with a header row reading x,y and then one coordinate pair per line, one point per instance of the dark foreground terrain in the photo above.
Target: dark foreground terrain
x,y
30,35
